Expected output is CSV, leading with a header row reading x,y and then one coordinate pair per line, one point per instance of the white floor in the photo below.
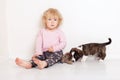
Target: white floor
x,y
89,70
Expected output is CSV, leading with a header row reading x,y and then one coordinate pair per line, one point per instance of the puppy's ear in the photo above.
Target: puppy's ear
x,y
72,50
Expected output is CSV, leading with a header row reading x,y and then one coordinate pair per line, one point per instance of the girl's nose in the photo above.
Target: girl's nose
x,y
52,21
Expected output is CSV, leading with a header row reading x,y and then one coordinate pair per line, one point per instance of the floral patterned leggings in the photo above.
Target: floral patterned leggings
x,y
50,57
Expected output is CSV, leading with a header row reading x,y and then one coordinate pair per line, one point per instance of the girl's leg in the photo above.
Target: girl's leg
x,y
51,59
54,58
23,63
40,64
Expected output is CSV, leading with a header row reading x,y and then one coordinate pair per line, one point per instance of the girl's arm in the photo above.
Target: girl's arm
x,y
62,42
38,50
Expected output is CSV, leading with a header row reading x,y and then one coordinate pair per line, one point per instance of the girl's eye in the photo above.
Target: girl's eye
x,y
49,19
55,19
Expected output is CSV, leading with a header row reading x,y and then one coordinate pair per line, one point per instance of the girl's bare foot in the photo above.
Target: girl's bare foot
x,y
41,64
23,63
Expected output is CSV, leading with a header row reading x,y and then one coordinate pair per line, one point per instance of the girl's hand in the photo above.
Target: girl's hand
x,y
36,54
50,49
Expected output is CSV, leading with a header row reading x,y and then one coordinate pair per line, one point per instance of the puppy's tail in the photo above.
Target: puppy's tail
x,y
107,43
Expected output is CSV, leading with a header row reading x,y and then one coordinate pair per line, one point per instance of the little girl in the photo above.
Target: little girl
x,y
50,42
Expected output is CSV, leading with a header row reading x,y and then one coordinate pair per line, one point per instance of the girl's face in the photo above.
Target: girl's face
x,y
52,23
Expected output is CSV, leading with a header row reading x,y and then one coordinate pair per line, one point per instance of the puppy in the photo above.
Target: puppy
x,y
76,54
96,49
67,58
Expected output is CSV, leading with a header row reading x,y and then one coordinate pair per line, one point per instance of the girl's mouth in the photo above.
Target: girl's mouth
x,y
52,25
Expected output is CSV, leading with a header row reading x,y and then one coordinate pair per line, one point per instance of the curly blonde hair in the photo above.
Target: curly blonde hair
x,y
51,12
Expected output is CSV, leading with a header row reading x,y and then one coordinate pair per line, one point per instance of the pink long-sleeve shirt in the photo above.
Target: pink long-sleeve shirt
x,y
47,38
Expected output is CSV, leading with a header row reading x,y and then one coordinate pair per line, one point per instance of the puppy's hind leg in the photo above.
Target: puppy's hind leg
x,y
101,56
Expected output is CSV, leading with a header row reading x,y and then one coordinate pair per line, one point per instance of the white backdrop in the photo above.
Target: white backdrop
x,y
84,21
3,29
